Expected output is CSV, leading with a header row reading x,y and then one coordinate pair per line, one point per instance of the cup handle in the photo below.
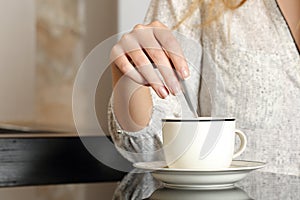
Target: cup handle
x,y
243,139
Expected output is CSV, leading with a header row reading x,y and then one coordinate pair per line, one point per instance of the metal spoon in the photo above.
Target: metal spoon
x,y
187,97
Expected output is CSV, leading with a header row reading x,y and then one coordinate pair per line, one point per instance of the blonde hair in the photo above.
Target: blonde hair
x,y
214,8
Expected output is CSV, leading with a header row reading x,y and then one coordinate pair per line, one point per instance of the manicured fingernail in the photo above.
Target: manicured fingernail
x,y
185,73
163,92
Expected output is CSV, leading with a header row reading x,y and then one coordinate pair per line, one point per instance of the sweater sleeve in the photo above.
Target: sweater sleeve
x,y
146,144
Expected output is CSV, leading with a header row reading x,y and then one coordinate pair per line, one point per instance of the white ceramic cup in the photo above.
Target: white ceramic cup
x,y
201,143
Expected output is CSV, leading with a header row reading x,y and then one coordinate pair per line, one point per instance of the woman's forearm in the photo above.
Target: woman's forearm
x,y
132,102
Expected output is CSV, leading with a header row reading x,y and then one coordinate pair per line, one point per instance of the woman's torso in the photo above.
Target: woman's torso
x,y
256,68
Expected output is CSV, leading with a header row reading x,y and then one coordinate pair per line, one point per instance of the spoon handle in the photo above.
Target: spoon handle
x,y
187,97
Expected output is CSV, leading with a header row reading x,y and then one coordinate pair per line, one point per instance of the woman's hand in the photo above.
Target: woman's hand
x,y
145,48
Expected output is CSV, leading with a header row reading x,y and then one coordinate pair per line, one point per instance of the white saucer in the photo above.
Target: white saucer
x,y
192,179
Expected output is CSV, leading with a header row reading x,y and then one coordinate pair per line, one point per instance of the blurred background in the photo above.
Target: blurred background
x,y
43,43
